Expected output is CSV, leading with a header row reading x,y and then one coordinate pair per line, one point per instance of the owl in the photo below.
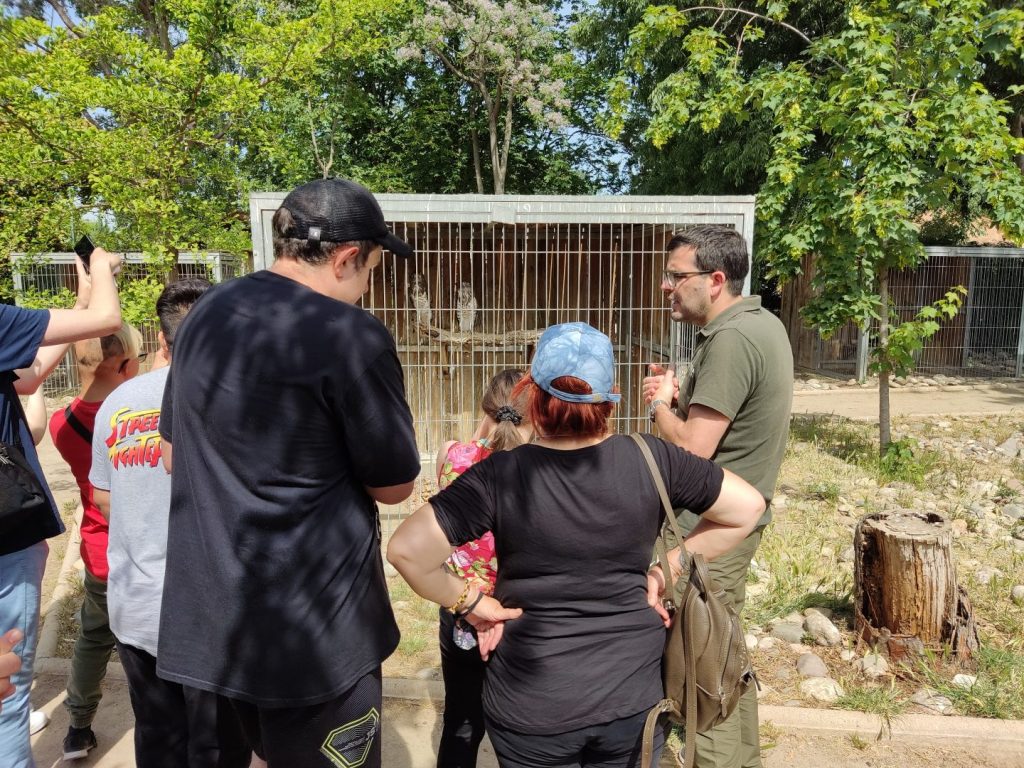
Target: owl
x,y
465,308
420,300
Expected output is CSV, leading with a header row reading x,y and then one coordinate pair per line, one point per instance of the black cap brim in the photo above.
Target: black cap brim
x,y
396,245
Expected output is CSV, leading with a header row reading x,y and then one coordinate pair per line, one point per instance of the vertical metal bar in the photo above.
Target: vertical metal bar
x,y
968,315
1020,337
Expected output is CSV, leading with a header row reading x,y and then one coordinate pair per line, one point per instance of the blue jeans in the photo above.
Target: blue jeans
x,y
21,577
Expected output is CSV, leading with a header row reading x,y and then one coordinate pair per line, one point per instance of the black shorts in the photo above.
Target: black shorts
x,y
343,733
616,744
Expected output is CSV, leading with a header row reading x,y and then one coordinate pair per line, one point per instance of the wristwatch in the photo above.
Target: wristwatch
x,y
654,407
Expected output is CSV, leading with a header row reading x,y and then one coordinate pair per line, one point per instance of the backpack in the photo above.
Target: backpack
x,y
705,666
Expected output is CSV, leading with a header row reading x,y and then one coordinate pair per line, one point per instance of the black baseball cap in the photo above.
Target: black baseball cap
x,y
337,211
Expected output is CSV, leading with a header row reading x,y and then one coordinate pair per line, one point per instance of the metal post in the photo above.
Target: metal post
x,y
969,314
1020,340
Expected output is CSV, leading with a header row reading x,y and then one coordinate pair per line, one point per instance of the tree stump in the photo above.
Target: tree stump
x,y
905,591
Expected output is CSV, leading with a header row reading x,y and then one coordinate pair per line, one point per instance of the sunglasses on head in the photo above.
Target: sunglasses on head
x,y
124,363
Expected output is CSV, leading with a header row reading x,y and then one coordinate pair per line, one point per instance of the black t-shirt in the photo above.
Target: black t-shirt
x,y
281,406
574,532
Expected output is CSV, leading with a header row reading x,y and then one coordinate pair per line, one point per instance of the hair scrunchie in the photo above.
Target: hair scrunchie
x,y
508,413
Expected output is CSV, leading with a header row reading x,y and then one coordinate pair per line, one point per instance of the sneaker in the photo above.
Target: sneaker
x,y
37,720
78,742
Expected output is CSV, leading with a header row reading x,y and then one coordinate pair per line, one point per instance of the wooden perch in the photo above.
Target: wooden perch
x,y
456,338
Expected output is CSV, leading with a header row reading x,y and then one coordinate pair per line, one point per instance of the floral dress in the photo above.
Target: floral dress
x,y
475,561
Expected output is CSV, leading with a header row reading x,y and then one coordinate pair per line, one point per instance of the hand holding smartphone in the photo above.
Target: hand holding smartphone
x,y
84,249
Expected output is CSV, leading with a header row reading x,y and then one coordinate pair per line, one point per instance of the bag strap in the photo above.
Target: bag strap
x,y
667,705
663,707
670,515
76,424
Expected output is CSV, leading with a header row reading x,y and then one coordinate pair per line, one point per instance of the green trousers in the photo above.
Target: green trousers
x,y
736,742
92,652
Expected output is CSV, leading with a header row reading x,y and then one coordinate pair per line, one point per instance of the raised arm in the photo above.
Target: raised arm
x,y
103,314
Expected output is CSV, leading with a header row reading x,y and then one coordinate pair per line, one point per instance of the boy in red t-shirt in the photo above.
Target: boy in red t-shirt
x,y
103,365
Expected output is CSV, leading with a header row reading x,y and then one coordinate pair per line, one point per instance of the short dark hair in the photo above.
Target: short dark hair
x,y
717,248
175,302
315,253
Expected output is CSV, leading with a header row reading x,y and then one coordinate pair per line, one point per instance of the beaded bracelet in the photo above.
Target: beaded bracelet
x,y
454,608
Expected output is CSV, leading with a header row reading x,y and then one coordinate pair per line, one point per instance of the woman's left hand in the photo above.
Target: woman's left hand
x,y
488,619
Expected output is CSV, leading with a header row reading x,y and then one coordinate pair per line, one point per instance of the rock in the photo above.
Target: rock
x,y
788,632
821,610
764,690
783,674
847,655
1010,447
959,527
1013,511
873,666
794,618
751,642
809,665
847,555
1017,594
964,681
428,673
822,630
823,689
931,700
390,571
987,575
780,500
766,643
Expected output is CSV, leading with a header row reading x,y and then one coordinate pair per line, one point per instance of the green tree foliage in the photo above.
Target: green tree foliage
x,y
149,115
872,126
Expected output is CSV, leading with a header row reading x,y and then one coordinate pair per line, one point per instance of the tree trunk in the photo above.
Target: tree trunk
x,y
906,598
474,140
884,426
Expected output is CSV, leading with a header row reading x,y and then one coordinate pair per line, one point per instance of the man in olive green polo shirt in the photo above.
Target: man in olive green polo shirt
x,y
733,407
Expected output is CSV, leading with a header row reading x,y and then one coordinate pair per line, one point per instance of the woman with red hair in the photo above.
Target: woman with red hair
x,y
573,634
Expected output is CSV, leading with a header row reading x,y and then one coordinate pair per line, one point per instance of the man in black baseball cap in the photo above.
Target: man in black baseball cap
x,y
338,211
286,422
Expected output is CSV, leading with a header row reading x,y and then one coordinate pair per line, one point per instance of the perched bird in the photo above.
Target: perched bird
x,y
420,300
465,308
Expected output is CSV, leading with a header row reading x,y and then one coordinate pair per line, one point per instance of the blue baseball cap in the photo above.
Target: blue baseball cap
x,y
578,350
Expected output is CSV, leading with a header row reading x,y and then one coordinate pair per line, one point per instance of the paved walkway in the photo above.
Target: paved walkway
x,y
802,738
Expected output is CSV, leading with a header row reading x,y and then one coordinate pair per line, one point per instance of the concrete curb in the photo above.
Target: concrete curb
x,y
904,728
49,631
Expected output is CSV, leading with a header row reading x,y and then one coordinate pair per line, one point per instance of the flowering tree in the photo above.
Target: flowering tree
x,y
507,54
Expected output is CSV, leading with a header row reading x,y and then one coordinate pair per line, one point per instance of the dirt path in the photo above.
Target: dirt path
x,y
857,403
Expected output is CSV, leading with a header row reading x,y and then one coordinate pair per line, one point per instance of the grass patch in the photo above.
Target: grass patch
x,y
68,618
768,733
999,691
886,701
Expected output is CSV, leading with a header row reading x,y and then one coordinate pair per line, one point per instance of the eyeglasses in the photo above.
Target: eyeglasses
x,y
675,278
124,363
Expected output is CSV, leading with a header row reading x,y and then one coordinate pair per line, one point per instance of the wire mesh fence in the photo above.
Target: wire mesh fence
x,y
38,279
986,338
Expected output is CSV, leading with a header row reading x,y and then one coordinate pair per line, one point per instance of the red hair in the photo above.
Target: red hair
x,y
552,417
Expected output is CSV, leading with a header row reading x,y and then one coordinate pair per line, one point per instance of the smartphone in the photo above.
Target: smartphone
x,y
84,249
